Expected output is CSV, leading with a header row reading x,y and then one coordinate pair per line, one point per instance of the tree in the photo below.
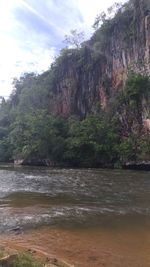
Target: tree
x,y
74,39
105,17
2,101
100,19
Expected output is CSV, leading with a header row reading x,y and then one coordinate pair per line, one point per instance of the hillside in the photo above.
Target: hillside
x,y
92,107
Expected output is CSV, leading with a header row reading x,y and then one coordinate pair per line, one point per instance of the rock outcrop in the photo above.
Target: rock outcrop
x,y
87,78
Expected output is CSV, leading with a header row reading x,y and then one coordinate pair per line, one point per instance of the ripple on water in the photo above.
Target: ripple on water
x,y
32,197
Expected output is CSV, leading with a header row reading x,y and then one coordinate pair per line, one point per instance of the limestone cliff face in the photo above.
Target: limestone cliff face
x,y
76,89
89,77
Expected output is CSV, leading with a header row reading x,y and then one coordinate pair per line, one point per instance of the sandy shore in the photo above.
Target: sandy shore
x,y
86,247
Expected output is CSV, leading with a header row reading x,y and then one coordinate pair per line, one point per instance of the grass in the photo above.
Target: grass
x,y
24,260
1,254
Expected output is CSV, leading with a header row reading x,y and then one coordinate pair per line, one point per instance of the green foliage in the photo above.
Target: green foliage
x,y
28,131
26,260
5,150
135,148
31,92
38,135
136,142
74,39
137,87
91,142
118,18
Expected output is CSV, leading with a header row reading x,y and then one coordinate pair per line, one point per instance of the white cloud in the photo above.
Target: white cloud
x,y
32,31
19,61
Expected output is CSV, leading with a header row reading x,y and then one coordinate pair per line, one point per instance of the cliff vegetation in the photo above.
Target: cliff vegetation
x,y
92,107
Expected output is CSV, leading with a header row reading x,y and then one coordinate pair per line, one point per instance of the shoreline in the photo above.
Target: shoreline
x,y
131,166
84,248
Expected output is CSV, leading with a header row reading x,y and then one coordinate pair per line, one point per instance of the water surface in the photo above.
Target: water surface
x,y
33,197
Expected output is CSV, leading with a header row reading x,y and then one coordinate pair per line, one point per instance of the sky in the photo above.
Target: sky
x,y
32,33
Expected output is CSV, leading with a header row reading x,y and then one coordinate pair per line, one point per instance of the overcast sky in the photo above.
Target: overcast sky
x,y
32,33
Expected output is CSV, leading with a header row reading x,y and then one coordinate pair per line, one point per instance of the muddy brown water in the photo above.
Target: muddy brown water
x,y
87,217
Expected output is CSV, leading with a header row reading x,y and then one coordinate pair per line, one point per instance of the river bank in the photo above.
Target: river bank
x,y
131,165
86,248
86,217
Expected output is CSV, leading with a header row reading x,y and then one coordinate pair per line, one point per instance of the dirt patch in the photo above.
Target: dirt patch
x,y
86,247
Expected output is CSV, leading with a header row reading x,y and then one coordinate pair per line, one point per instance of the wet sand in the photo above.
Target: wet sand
x,y
86,247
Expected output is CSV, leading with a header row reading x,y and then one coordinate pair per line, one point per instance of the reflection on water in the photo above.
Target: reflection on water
x,y
30,197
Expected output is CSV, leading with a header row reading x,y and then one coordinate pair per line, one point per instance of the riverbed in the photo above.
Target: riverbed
x,y
89,217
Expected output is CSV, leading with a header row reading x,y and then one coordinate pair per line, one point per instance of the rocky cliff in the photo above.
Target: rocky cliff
x,y
86,79
108,77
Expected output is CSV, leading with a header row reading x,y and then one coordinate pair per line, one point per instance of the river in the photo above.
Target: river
x,y
30,197
88,201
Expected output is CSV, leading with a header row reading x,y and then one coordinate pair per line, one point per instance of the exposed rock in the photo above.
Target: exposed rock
x,y
18,162
35,162
146,124
17,230
87,78
143,165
